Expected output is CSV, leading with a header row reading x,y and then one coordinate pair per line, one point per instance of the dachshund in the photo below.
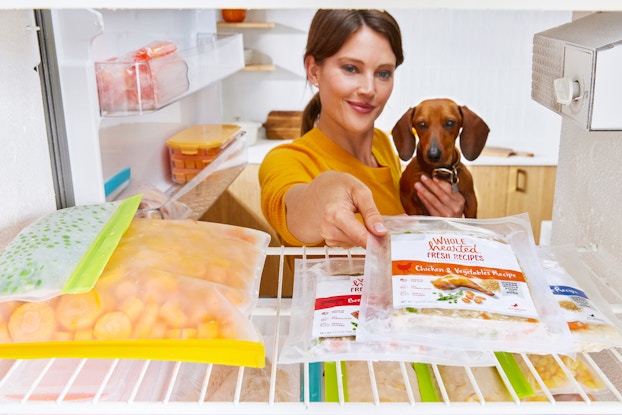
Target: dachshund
x,y
437,123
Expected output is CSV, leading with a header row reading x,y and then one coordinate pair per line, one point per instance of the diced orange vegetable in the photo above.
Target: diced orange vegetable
x,y
160,287
114,325
31,322
126,289
78,311
146,321
182,334
132,307
172,313
207,330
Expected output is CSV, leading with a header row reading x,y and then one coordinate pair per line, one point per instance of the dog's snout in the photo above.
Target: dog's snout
x,y
434,152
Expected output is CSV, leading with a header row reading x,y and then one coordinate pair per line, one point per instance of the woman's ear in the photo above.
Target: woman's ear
x,y
312,70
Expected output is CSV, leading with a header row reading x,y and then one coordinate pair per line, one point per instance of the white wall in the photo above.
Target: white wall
x,y
26,179
481,58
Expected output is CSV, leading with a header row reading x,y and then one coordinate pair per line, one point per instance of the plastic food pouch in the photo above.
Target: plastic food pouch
x,y
143,79
389,378
231,257
592,323
222,382
460,388
147,308
324,320
556,380
63,252
459,284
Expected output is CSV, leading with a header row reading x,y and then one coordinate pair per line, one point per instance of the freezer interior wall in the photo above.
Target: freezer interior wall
x,y
27,187
588,196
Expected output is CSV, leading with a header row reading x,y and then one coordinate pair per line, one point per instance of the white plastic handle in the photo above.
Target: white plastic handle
x,y
566,90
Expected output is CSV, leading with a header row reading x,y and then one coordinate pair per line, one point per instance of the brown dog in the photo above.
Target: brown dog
x,y
437,123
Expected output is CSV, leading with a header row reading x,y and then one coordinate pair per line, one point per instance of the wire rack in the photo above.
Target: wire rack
x,y
102,386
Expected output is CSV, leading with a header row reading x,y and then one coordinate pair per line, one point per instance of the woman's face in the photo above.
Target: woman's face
x,y
354,84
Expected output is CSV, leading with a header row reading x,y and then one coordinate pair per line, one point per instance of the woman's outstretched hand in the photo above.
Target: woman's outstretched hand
x,y
326,209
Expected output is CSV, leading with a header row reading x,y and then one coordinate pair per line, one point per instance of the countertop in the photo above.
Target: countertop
x,y
260,148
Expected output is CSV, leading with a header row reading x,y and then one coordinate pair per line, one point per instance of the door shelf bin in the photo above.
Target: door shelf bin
x,y
134,86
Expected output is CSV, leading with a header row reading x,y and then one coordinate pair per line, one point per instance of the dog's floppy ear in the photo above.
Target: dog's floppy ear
x,y
474,134
403,136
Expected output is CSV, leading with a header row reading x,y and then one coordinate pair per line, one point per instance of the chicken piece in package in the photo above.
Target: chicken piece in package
x,y
459,284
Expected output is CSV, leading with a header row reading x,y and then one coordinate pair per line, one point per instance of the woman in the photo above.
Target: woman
x,y
332,185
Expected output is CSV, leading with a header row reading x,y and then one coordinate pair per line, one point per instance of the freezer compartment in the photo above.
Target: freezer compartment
x,y
156,74
188,388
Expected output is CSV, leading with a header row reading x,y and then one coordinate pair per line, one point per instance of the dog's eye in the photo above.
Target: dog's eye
x,y
422,125
450,124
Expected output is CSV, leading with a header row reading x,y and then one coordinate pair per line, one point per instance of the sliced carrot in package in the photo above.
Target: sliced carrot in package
x,y
158,297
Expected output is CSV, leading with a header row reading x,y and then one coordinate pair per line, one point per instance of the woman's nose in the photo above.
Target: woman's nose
x,y
367,85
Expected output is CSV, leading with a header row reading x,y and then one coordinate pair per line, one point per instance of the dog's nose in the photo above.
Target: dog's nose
x,y
434,153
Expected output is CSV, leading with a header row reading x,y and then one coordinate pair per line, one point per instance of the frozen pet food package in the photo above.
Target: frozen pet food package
x,y
459,284
324,320
562,376
592,323
172,290
63,252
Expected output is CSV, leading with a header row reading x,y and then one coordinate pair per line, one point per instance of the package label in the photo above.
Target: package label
x,y
458,272
337,303
576,306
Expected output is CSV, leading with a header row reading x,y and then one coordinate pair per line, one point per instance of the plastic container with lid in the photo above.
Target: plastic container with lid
x,y
194,148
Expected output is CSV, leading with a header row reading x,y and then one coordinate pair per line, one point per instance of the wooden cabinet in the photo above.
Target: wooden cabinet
x,y
510,190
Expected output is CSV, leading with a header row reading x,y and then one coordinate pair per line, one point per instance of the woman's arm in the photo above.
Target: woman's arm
x,y
326,209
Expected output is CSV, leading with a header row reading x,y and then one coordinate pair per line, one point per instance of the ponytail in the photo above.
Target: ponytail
x,y
310,114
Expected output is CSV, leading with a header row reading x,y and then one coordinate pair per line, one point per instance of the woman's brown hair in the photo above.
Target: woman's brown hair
x,y
330,29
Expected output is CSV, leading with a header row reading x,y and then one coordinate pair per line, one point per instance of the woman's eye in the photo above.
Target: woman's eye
x,y
349,68
385,74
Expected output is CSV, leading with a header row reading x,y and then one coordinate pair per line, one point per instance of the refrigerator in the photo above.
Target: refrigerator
x,y
73,43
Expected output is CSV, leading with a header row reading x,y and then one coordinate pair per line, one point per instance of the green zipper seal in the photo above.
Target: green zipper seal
x,y
331,382
87,271
427,386
515,375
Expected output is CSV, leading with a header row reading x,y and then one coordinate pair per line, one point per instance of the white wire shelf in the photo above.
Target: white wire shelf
x,y
100,386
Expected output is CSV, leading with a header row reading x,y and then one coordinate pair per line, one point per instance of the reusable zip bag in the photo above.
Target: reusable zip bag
x,y
324,320
592,323
459,284
63,252
172,290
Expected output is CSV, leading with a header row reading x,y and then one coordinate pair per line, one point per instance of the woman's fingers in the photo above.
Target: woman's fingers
x,y
439,199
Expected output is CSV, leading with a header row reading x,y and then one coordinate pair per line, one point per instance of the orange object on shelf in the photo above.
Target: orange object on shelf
x,y
233,15
194,148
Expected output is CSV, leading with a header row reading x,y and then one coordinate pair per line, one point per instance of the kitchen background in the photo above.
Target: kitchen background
x,y
481,58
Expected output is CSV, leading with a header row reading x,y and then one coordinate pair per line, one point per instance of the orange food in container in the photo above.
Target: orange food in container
x,y
142,80
194,148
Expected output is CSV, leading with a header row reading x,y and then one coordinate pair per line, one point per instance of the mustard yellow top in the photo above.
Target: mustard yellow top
x,y
306,157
